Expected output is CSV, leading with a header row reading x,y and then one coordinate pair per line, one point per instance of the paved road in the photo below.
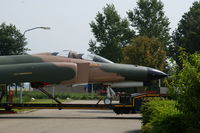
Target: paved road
x,y
70,121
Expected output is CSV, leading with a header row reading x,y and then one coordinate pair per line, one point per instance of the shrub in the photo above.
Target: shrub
x,y
161,116
157,106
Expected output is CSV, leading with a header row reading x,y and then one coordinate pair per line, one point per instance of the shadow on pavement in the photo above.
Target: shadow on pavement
x,y
35,117
97,111
134,131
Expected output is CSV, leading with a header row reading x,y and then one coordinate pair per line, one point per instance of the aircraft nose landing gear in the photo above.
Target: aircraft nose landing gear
x,y
110,94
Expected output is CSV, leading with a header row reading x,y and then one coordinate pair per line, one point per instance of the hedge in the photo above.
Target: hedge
x,y
161,116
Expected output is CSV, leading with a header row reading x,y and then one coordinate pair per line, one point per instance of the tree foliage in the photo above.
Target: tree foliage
x,y
12,42
187,34
149,20
185,85
161,116
111,33
145,51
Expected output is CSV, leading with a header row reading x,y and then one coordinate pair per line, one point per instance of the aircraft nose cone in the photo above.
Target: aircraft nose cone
x,y
155,74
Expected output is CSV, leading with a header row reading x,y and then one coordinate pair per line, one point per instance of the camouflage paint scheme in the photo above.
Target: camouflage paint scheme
x,y
51,69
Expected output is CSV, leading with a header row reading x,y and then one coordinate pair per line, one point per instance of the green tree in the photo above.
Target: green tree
x,y
187,35
149,19
185,85
145,51
111,33
12,42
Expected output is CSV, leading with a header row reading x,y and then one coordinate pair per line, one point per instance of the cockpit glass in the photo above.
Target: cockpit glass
x,y
95,58
64,53
89,57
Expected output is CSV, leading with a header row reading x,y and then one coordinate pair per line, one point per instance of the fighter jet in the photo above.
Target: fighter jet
x,y
70,68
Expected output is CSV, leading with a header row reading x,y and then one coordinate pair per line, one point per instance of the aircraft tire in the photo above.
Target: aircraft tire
x,y
107,100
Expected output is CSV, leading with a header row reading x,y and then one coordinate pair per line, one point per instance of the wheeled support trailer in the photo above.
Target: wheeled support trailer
x,y
114,107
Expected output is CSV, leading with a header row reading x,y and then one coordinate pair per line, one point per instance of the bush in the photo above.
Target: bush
x,y
157,106
161,116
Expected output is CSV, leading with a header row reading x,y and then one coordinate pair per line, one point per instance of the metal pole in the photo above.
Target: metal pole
x,y
29,86
92,90
159,83
6,87
41,27
53,91
20,99
45,28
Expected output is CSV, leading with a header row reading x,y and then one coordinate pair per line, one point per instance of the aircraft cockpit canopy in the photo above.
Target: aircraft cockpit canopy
x,y
90,57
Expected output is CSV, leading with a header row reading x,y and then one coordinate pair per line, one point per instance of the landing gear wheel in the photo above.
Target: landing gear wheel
x,y
107,100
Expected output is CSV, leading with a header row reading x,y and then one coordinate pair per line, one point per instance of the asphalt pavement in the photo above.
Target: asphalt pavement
x,y
70,121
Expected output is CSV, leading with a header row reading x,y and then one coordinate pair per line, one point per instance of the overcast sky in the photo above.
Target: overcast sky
x,y
69,20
